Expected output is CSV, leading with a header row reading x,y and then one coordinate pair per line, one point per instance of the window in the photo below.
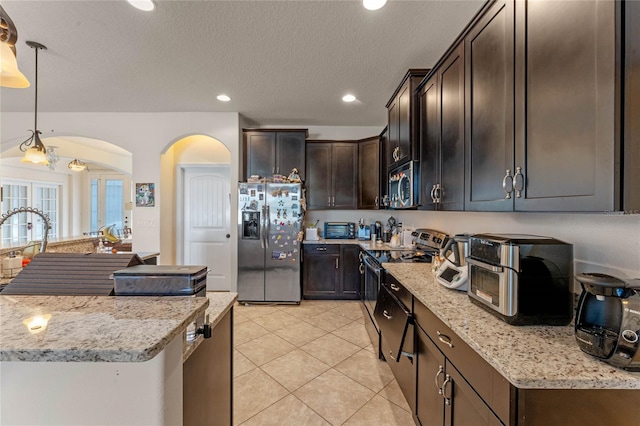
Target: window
x,y
109,193
24,227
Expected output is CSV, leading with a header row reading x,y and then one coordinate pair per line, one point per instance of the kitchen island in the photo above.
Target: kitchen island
x,y
524,375
103,360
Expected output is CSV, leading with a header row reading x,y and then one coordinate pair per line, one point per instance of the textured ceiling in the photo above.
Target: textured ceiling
x,y
281,62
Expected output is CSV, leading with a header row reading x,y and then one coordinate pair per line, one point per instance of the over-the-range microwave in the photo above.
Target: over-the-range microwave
x,y
403,186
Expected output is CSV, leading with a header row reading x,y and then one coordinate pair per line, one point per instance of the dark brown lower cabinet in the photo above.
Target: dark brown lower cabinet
x,y
207,378
330,271
443,396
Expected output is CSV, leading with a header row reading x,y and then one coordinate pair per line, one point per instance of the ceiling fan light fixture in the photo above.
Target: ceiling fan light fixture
x,y
145,5
373,4
77,166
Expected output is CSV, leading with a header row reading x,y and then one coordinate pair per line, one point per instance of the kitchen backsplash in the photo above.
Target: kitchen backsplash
x,y
603,242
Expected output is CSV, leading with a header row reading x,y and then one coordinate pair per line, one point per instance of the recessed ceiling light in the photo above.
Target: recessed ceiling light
x,y
146,5
373,4
348,98
223,98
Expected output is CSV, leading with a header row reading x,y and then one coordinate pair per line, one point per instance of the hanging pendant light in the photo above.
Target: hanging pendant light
x,y
10,75
37,153
77,165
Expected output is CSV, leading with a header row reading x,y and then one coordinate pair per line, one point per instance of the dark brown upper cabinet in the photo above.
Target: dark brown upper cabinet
x,y
489,56
274,151
402,137
369,168
545,107
332,175
441,110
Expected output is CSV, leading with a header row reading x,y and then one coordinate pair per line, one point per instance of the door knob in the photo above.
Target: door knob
x,y
228,235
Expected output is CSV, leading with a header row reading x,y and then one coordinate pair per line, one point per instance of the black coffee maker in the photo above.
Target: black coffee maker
x,y
608,319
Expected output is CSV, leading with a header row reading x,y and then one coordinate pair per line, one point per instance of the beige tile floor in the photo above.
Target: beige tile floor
x,y
311,364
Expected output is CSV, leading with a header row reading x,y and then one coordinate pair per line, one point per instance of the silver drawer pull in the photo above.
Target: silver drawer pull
x,y
395,287
321,249
445,339
386,314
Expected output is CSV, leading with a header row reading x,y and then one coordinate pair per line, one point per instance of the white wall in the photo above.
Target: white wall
x,y
147,136
602,242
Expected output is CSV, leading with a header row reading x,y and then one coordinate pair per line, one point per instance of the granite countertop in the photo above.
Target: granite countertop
x,y
100,328
50,242
529,357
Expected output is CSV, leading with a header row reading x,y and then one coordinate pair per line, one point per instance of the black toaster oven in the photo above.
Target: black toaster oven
x,y
339,230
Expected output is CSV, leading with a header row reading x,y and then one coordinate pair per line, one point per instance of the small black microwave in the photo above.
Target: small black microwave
x,y
339,230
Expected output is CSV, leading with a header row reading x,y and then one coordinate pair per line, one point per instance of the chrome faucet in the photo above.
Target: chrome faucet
x,y
45,218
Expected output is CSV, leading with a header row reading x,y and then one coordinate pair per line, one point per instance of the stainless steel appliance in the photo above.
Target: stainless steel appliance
x,y
161,280
269,221
453,272
339,230
522,279
428,243
364,232
608,319
403,186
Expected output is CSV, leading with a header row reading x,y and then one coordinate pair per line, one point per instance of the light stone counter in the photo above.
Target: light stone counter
x,y
100,328
529,357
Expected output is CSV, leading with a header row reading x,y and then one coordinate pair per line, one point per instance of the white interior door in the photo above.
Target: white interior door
x,y
206,222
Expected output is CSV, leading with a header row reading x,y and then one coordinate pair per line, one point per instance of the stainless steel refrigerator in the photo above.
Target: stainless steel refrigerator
x,y
269,220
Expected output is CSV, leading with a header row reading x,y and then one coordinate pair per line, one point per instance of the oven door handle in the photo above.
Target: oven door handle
x,y
483,265
371,265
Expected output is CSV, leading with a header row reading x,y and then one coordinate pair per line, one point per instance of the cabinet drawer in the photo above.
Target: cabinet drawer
x,y
487,382
399,291
317,249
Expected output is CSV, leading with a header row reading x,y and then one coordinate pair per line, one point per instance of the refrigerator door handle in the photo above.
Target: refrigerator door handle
x,y
267,220
262,228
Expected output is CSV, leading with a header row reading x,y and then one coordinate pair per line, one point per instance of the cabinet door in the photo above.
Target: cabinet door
x,y
320,276
369,173
404,123
631,195
489,97
393,135
565,100
451,102
260,154
350,264
318,175
464,406
430,366
290,150
345,175
429,143
384,166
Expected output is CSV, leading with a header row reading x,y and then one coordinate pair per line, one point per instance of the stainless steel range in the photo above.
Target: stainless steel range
x,y
427,244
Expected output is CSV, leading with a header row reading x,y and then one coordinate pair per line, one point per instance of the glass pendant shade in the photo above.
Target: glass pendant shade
x,y
35,155
10,75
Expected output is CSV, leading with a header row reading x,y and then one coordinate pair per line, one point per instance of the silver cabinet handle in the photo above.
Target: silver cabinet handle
x,y
394,287
447,380
321,249
360,256
278,169
437,193
445,339
329,201
386,314
333,201
440,371
518,182
376,201
507,184
273,170
337,262
433,193
361,269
